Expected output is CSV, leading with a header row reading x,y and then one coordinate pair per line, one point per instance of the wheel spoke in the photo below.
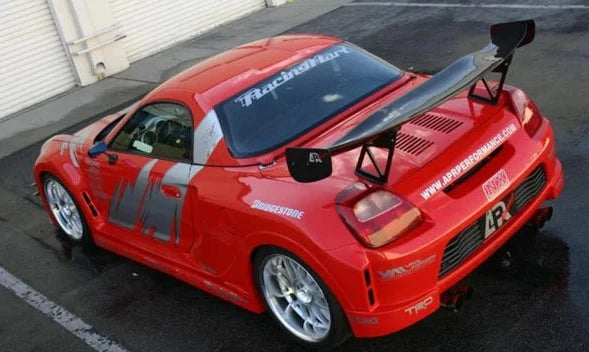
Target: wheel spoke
x,y
52,193
319,315
298,270
320,301
304,311
276,291
303,275
76,224
290,270
59,191
290,313
308,327
283,274
273,266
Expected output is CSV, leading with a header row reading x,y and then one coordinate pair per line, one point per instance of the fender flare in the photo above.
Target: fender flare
x,y
72,178
255,242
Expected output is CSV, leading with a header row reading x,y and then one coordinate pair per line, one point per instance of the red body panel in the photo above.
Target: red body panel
x,y
218,227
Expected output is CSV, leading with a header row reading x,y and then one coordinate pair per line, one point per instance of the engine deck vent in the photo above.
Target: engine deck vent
x,y
411,144
436,122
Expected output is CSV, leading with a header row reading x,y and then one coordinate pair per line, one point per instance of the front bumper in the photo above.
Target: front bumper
x,y
414,278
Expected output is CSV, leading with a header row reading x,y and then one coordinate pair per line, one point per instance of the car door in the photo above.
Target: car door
x,y
144,192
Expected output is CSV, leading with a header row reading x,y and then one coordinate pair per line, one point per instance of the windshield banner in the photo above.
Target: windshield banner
x,y
247,98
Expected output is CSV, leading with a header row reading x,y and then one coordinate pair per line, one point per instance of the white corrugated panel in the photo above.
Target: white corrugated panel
x,y
153,25
33,64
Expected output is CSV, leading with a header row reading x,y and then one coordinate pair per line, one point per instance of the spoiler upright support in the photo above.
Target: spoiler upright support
x,y
386,141
380,129
494,93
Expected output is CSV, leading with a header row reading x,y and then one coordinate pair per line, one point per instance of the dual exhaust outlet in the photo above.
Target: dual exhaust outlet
x,y
454,298
540,217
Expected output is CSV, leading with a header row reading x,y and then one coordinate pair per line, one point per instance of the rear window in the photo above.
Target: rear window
x,y
283,107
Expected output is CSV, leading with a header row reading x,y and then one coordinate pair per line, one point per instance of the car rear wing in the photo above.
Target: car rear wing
x,y
380,129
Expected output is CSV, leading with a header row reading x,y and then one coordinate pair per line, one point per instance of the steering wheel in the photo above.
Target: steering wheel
x,y
163,128
149,138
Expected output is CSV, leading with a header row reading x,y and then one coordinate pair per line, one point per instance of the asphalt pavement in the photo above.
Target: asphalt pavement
x,y
539,303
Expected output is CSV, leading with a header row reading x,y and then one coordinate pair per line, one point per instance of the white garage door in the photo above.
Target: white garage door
x,y
33,63
153,25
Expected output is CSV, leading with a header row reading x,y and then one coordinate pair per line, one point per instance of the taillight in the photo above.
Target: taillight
x,y
376,217
526,110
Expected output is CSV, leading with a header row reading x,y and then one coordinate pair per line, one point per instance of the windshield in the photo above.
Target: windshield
x,y
281,108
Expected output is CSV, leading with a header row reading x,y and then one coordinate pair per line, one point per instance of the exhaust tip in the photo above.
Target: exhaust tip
x,y
548,215
459,302
468,292
453,301
541,216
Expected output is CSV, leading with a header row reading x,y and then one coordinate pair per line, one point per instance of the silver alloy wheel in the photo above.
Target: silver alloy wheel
x,y
64,209
295,298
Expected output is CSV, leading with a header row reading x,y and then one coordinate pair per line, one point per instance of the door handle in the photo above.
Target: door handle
x,y
171,191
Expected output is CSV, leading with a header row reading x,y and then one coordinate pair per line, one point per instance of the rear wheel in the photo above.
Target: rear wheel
x,y
66,212
299,301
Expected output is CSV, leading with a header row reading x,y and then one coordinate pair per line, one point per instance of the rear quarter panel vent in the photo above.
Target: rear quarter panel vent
x,y
436,122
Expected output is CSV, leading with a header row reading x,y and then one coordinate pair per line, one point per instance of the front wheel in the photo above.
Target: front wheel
x,y
66,212
299,301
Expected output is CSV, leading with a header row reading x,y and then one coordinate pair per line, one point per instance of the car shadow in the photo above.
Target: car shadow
x,y
538,270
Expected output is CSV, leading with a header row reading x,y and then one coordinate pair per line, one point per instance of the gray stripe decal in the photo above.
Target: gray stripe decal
x,y
206,137
73,156
73,146
144,203
161,213
126,199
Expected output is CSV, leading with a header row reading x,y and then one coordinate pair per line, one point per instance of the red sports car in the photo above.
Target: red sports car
x,y
304,176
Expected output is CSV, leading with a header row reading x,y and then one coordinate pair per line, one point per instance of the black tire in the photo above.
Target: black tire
x,y
339,330
86,240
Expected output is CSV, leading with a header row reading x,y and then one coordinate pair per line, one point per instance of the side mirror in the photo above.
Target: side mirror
x,y
308,165
97,149
100,148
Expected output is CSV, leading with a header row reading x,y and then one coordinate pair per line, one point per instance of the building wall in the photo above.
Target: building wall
x,y
153,25
33,64
50,46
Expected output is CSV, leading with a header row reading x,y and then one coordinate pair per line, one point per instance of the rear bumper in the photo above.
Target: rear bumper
x,y
407,307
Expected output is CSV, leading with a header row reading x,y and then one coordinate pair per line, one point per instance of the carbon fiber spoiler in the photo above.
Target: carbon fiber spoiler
x,y
308,165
